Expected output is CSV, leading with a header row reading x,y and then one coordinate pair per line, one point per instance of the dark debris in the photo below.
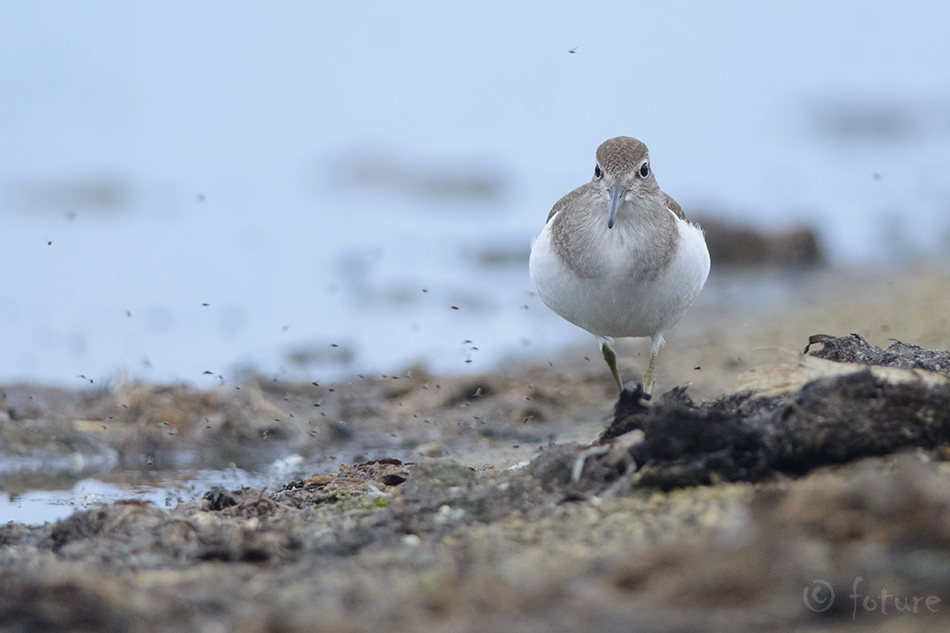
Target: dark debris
x,y
855,349
743,437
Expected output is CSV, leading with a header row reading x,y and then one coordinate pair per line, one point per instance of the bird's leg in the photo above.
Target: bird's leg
x,y
611,357
649,376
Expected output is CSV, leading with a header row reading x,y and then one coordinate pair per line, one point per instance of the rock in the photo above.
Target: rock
x,y
740,246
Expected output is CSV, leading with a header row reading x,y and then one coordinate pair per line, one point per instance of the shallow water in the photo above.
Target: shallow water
x,y
182,202
40,506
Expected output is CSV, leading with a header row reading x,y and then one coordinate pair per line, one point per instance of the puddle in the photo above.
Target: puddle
x,y
166,490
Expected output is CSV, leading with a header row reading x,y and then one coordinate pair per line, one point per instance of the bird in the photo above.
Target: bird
x,y
617,256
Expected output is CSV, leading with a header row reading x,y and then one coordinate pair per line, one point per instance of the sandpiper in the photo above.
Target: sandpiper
x,y
617,256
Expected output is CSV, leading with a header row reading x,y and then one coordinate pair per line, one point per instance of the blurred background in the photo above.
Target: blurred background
x,y
191,191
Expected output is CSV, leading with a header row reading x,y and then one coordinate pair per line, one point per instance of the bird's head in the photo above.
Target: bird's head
x,y
623,169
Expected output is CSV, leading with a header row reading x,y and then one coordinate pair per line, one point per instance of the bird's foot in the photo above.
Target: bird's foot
x,y
649,377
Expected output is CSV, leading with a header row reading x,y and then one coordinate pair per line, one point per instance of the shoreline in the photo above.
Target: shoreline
x,y
478,501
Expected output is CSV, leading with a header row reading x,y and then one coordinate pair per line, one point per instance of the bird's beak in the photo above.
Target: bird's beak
x,y
617,193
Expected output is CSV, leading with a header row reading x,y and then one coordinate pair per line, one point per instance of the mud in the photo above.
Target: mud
x,y
814,495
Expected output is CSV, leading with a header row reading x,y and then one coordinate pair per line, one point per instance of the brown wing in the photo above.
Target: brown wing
x,y
673,206
566,200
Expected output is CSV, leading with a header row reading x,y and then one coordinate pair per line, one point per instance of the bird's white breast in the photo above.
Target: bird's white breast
x,y
640,288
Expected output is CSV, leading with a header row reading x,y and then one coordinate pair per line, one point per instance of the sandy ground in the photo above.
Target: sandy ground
x,y
475,521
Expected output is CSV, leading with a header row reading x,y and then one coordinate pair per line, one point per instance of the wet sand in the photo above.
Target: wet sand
x,y
446,535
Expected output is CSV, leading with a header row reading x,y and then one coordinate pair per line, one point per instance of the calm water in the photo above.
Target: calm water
x,y
39,506
188,192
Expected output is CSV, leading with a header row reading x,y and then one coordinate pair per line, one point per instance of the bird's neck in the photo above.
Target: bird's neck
x,y
644,216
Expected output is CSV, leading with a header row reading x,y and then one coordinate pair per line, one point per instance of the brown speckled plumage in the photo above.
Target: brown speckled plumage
x,y
617,256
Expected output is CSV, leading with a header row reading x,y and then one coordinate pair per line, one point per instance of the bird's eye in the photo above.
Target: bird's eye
x,y
644,170
597,172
